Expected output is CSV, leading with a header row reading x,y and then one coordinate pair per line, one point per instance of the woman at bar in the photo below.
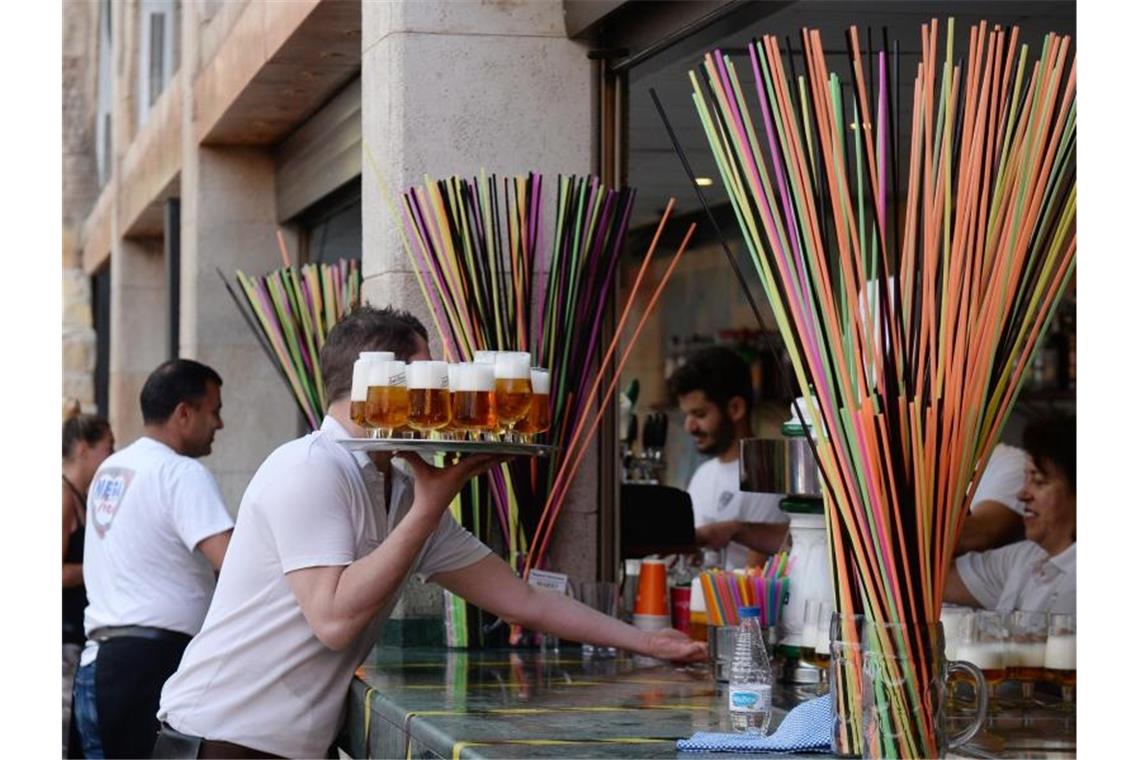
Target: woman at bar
x,y
1040,573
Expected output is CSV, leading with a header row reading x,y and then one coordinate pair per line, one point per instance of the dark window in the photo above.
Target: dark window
x,y
332,225
101,309
157,43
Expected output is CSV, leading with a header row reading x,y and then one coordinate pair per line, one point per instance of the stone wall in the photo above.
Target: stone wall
x,y
80,190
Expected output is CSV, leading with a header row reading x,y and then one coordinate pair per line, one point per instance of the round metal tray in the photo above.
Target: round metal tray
x,y
433,446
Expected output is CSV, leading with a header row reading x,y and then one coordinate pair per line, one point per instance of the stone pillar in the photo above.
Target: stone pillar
x,y
80,189
453,88
229,221
138,342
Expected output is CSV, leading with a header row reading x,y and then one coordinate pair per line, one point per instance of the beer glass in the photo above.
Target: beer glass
x,y
429,402
358,399
474,409
387,407
537,419
983,643
1061,655
448,431
485,357
512,387
1025,654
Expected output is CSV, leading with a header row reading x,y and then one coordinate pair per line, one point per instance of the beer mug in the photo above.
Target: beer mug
x,y
429,402
904,691
485,357
387,406
983,642
358,399
1025,652
512,387
1061,655
474,409
537,419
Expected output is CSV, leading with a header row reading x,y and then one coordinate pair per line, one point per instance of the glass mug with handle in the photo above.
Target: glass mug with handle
x,y
475,410
1061,655
512,388
904,692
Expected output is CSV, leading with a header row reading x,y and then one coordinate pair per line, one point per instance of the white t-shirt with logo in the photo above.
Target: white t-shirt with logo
x,y
1021,576
257,675
715,491
148,507
1003,478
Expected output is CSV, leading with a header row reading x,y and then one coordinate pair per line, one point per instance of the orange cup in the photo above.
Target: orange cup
x,y
652,590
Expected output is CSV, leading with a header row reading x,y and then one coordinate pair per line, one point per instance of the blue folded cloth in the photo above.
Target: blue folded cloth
x,y
807,728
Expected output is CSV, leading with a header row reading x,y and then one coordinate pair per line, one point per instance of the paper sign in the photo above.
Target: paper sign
x,y
548,580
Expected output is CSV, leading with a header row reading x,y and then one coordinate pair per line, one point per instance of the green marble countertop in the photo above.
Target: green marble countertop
x,y
430,702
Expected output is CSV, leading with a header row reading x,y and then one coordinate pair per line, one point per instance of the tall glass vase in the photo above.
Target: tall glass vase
x,y
904,691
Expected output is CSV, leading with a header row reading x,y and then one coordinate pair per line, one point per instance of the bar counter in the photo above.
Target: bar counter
x,y
431,702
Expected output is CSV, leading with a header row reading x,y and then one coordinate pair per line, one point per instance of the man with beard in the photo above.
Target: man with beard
x,y
714,390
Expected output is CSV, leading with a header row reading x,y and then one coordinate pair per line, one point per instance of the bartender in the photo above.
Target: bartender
x,y
1040,573
714,390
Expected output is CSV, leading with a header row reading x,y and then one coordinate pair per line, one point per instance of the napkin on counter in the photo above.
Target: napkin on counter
x,y
807,728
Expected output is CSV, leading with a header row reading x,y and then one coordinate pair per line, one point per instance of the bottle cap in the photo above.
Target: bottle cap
x,y
749,612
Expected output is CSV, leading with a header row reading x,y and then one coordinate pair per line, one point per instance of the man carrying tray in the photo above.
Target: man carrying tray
x,y
325,541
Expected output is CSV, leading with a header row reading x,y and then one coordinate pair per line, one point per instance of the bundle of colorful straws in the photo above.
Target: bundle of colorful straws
x,y
911,324
292,311
767,588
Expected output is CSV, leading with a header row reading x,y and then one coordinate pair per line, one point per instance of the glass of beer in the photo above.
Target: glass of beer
x,y
429,402
449,430
485,357
512,387
1025,654
983,643
537,420
474,409
1061,656
359,397
387,405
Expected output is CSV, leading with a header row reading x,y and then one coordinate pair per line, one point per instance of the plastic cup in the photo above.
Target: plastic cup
x,y
652,590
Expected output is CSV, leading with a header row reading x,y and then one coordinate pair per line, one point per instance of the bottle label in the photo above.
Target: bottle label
x,y
750,697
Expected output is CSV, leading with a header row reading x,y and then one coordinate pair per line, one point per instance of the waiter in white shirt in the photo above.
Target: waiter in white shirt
x,y
157,530
1040,573
325,541
714,390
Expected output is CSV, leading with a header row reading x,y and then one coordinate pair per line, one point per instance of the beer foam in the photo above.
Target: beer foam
x,y
360,371
485,357
1061,652
540,382
380,356
385,373
987,655
427,374
1025,654
473,376
512,365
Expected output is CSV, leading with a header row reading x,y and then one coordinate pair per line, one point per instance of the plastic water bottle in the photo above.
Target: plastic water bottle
x,y
750,678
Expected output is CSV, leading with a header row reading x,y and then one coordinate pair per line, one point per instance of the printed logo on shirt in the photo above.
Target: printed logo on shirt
x,y
725,499
107,494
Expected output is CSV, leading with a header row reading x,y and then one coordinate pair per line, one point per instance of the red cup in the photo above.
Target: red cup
x,y
680,595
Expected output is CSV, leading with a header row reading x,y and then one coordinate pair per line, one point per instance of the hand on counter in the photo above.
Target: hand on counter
x,y
675,646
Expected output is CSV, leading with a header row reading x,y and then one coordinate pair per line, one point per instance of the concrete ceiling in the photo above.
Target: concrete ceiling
x,y
653,167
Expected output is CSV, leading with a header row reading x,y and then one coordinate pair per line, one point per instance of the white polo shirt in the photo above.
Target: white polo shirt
x,y
257,675
715,491
148,507
1021,576
1003,478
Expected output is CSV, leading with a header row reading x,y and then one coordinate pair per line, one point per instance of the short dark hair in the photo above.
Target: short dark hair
x,y
89,428
718,371
171,383
366,328
1054,440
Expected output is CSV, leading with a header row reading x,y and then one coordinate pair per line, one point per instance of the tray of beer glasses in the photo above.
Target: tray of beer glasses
x,y
497,404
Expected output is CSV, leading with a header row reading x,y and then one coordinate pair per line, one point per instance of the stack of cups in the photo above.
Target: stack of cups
x,y
651,609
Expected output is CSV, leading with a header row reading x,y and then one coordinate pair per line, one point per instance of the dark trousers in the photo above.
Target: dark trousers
x,y
129,675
